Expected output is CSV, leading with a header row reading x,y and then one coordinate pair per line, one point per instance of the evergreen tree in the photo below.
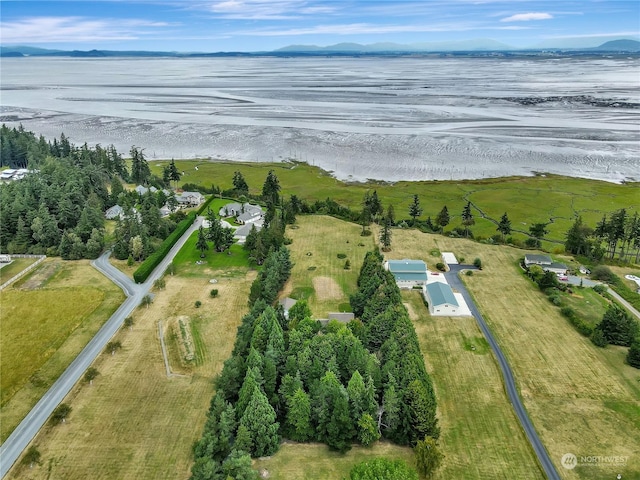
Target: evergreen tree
x,y
298,422
271,189
633,356
443,218
240,184
140,172
617,326
504,226
414,209
259,419
467,218
385,237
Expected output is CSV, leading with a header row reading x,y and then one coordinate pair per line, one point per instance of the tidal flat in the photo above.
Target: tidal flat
x,y
399,118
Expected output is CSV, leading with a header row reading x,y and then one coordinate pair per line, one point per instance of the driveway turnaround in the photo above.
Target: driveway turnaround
x,y
507,375
35,419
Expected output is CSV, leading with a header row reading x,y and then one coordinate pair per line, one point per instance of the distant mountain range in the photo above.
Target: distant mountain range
x,y
477,46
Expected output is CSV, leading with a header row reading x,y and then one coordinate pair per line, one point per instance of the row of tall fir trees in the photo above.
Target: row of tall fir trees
x,y
58,208
290,377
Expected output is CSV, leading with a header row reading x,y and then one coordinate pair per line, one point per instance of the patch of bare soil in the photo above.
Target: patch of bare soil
x,y
412,313
40,275
327,288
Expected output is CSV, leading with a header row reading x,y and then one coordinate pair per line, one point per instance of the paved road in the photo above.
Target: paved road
x,y
626,304
35,419
507,375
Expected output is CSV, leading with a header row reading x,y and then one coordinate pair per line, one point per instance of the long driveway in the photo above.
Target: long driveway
x,y
509,381
35,419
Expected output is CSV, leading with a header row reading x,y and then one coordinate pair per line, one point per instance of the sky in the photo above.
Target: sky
x,y
263,25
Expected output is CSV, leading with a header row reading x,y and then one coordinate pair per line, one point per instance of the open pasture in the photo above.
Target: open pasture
x,y
47,318
581,399
134,422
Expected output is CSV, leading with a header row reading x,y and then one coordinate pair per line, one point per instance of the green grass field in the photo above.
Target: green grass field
x,y
581,399
45,323
185,260
527,200
16,266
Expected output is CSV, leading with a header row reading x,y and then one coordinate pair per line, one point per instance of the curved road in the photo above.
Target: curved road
x,y
509,381
35,419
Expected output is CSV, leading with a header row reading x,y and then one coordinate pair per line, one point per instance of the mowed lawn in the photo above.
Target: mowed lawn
x,y
134,422
581,399
47,318
314,461
481,436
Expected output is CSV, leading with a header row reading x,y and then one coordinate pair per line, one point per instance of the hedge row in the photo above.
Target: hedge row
x,y
153,260
577,322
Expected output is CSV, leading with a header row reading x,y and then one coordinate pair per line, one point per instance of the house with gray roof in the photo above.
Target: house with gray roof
x,y
408,273
243,212
190,199
533,259
441,300
114,212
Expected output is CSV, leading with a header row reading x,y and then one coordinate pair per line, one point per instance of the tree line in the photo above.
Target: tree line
x,y
289,376
58,208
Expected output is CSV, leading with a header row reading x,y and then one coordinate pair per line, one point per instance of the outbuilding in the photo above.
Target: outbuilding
x,y
441,300
408,273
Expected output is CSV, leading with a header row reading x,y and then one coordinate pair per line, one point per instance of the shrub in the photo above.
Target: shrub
x,y
440,266
597,337
602,272
198,303
347,265
600,289
342,255
477,263
468,273
435,252
213,293
568,312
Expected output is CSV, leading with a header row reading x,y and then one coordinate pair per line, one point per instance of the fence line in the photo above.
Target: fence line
x,y
40,258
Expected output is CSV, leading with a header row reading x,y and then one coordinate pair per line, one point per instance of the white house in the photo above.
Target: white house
x,y
243,212
533,259
441,300
558,268
190,199
408,273
114,212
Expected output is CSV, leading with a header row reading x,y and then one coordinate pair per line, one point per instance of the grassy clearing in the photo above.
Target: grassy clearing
x,y
45,324
588,305
317,241
481,437
526,199
134,422
581,399
8,270
185,260
311,461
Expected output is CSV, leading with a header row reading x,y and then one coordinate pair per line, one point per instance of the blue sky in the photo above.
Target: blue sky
x,y
259,25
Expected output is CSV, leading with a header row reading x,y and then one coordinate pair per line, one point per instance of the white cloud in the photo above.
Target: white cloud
x,y
525,17
74,29
265,9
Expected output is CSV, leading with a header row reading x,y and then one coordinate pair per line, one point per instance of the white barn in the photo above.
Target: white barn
x,y
441,300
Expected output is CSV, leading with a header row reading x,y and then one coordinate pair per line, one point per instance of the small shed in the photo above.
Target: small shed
x,y
287,303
